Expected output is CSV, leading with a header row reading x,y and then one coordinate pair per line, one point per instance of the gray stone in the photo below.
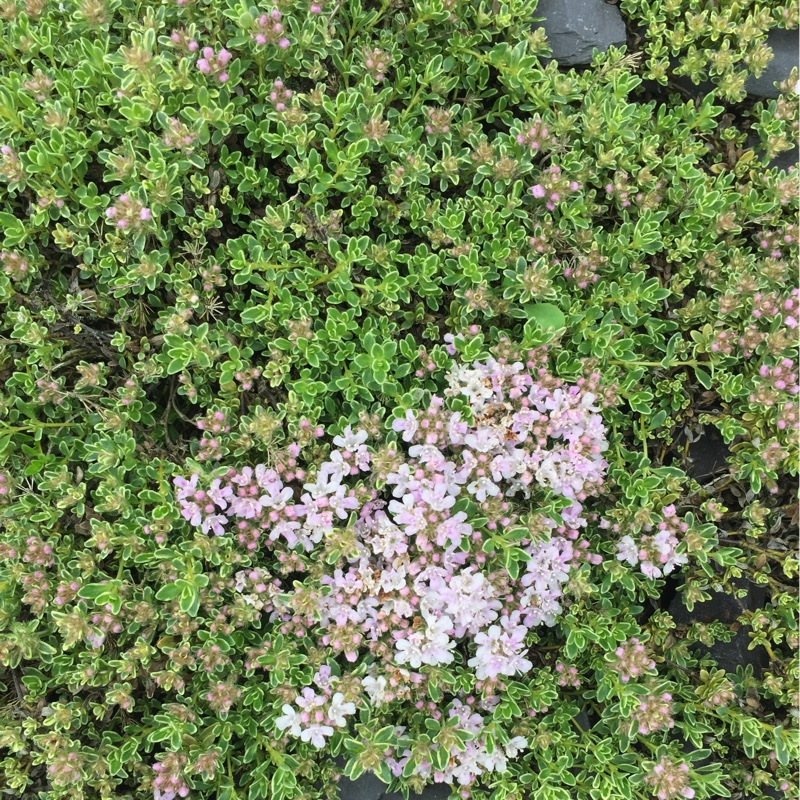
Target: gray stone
x,y
787,160
365,787
583,720
708,455
784,46
575,27
726,608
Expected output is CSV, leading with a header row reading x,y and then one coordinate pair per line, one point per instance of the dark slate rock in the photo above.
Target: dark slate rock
x,y
784,46
707,455
726,608
787,160
575,27
583,720
366,787
721,607
439,791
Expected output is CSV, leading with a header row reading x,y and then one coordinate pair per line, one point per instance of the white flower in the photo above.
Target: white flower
x,y
290,720
241,580
376,689
438,497
388,539
214,523
316,735
628,551
338,709
436,649
276,499
481,487
409,650
515,745
350,440
327,481
393,580
483,440
407,424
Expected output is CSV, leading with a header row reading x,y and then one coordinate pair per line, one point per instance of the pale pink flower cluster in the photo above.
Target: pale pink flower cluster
x,y
656,554
467,762
412,583
211,63
314,716
10,165
280,95
184,40
14,265
536,135
179,136
128,213
669,780
654,713
633,660
553,187
269,29
169,782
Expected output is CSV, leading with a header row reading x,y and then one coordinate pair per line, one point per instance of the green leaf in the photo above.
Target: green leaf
x,y
703,378
168,592
254,314
94,590
545,315
13,229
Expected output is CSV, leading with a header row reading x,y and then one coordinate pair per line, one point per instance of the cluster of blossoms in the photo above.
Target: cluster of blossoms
x,y
467,760
128,213
268,29
553,186
184,40
632,660
39,85
583,269
620,189
772,241
14,266
10,166
376,63
775,384
317,714
653,713
669,780
439,120
410,581
769,305
211,63
169,782
280,95
536,136
179,136
656,553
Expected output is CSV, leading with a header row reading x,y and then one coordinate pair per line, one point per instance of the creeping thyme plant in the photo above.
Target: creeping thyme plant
x,y
356,361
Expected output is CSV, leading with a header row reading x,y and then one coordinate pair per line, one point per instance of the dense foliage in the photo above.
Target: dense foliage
x,y
251,259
